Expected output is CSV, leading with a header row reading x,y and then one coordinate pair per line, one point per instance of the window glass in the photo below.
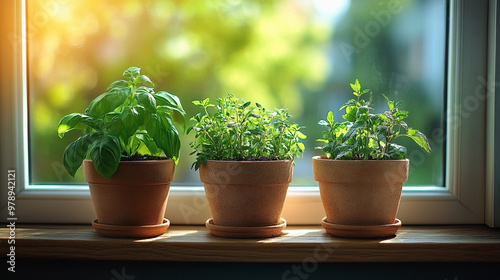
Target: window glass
x,y
296,54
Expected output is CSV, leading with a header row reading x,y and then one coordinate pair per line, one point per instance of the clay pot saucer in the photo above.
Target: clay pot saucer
x,y
246,232
131,231
361,231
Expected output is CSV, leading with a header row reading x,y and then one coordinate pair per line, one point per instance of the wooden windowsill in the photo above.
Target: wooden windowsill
x,y
297,244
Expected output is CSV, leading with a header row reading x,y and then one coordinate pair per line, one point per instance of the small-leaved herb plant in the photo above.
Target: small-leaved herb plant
x,y
231,129
129,120
365,135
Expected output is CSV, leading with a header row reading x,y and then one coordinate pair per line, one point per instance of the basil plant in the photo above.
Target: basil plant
x,y
128,120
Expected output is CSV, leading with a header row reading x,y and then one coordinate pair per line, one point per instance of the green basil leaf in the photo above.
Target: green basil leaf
x,y
144,79
168,99
76,152
147,100
105,153
132,145
143,89
107,102
149,143
168,140
130,120
140,113
115,127
166,120
119,83
69,122
132,73
177,115
153,125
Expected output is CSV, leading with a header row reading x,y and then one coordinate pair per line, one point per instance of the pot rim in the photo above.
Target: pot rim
x,y
249,161
149,161
324,158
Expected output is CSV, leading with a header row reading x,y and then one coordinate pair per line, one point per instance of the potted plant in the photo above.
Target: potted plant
x,y
361,177
129,151
245,156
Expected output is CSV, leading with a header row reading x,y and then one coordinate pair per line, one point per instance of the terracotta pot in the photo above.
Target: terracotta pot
x,y
136,195
360,192
246,193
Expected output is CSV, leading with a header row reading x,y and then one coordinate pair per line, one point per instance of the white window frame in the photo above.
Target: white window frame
x,y
462,201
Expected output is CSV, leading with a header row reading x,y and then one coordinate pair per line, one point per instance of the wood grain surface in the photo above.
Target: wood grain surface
x,y
296,244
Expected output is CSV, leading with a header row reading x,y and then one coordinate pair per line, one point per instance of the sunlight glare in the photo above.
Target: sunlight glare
x,y
332,9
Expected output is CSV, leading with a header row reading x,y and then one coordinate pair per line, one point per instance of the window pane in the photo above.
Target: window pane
x,y
296,54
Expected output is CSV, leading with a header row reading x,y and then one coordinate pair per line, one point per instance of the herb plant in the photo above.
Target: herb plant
x,y
238,131
367,136
126,120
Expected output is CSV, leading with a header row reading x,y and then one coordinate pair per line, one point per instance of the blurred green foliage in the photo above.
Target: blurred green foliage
x,y
279,53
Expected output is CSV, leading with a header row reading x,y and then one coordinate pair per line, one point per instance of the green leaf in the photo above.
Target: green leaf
x,y
301,146
419,138
177,115
168,99
400,115
246,104
404,125
132,73
107,102
166,120
149,143
301,135
257,132
398,103
144,79
119,83
69,122
132,145
143,89
350,114
396,151
352,130
153,125
363,110
140,113
389,102
383,117
147,100
168,140
76,152
329,118
351,102
115,127
164,98
131,121
356,87
340,152
105,153
189,129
